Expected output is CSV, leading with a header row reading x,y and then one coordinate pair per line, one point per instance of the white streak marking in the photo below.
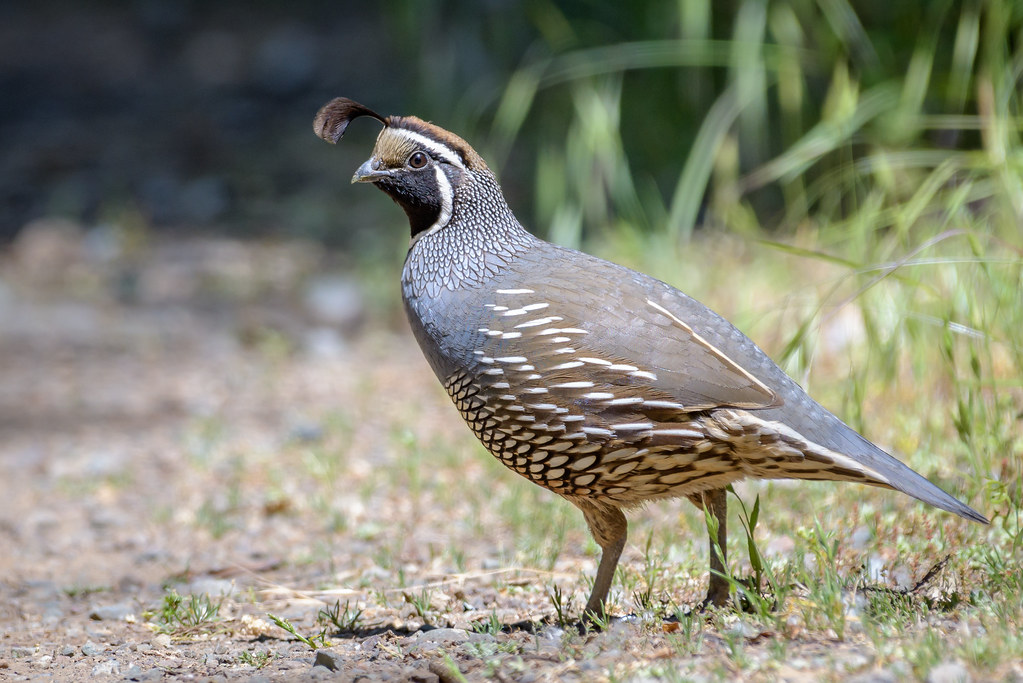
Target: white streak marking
x,y
567,349
510,335
535,307
535,390
644,375
596,361
568,366
538,321
623,367
669,405
572,385
514,291
630,426
598,395
514,312
560,340
493,371
542,406
772,397
440,150
500,385
512,359
525,368
685,433
447,196
487,359
628,401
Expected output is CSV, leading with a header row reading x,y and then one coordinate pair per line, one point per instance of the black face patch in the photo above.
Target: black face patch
x,y
417,193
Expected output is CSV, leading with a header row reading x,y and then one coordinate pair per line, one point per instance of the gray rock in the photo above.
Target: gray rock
x,y
329,659
67,650
949,672
162,641
18,652
554,633
90,648
117,612
107,668
745,629
447,635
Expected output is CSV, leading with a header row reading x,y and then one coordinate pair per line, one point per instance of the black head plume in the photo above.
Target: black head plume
x,y
333,118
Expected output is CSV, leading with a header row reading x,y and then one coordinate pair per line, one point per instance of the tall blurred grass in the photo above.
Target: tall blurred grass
x,y
805,119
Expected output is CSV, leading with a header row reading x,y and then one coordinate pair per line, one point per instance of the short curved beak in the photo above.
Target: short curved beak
x,y
368,173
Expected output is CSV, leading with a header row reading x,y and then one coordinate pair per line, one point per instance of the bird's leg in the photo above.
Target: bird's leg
x,y
716,503
609,529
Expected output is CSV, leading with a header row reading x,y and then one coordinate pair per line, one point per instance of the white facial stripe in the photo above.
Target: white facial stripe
x,y
435,147
447,195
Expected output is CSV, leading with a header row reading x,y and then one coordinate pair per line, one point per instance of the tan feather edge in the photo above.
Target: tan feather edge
x,y
775,399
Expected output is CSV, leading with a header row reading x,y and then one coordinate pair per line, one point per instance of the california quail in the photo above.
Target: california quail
x,y
604,385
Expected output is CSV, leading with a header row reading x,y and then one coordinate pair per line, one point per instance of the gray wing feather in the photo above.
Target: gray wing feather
x,y
704,362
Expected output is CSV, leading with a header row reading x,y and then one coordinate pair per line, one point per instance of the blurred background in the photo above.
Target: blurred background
x,y
191,117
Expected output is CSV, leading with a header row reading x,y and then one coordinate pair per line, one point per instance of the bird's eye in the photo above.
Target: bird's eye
x,y
418,160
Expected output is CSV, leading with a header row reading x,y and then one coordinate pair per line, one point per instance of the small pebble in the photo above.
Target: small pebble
x,y
444,635
116,612
329,659
107,668
552,633
90,648
67,650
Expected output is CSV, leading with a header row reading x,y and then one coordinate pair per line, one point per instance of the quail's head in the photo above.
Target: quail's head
x,y
419,165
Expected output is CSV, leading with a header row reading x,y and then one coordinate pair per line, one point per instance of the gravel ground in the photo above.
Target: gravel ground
x,y
158,435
